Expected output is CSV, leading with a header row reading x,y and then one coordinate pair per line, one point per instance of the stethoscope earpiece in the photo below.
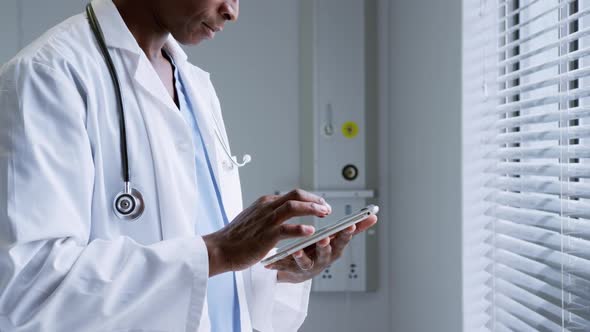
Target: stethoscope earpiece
x,y
229,165
129,204
233,160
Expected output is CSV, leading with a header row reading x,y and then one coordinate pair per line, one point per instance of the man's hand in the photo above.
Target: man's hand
x,y
255,231
307,263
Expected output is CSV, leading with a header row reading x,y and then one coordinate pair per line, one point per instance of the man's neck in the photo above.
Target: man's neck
x,y
150,36
144,26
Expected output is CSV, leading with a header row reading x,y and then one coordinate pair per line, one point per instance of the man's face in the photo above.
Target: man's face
x,y
191,21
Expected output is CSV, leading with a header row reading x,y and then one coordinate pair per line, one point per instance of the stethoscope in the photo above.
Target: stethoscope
x,y
129,203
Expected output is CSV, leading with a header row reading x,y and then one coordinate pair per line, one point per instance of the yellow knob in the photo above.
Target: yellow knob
x,y
350,129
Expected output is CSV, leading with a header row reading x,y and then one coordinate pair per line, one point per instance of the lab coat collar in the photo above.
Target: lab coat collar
x,y
117,35
114,29
175,51
146,76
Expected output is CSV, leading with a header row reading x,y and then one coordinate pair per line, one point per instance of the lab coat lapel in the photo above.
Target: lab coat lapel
x,y
196,84
115,31
173,159
207,107
117,36
146,77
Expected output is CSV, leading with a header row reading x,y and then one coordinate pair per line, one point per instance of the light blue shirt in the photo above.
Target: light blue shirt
x,y
222,299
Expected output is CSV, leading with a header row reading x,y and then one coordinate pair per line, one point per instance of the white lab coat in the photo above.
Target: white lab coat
x,y
67,263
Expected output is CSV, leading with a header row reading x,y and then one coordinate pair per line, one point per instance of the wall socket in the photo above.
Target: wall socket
x,y
349,273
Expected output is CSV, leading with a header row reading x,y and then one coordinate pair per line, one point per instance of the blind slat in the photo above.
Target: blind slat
x,y
540,185
551,62
545,238
539,301
542,117
531,317
543,272
539,33
541,153
508,322
520,9
543,308
543,135
551,81
561,5
545,100
546,291
541,202
576,266
554,45
547,220
540,169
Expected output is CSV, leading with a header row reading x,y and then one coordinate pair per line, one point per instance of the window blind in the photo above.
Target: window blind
x,y
526,150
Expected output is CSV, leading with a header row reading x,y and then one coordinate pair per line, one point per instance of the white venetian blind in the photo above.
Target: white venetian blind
x,y
526,115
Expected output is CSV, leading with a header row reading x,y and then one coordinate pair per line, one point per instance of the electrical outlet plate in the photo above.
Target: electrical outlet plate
x,y
349,272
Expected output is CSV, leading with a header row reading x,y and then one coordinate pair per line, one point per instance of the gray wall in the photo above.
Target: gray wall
x,y
423,119
21,21
9,38
254,65
413,102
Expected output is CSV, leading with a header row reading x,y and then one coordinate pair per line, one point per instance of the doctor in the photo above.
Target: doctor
x,y
115,212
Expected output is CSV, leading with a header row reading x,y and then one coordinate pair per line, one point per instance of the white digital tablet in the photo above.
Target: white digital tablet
x,y
322,233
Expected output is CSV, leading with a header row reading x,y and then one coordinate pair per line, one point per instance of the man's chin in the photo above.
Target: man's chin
x,y
191,40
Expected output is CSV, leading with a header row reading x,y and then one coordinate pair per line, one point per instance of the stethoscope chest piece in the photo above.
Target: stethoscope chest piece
x,y
129,204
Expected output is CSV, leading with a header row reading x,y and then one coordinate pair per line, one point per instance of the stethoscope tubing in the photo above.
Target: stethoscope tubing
x,y
112,71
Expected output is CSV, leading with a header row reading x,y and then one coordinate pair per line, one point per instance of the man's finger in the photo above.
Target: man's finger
x,y
302,196
341,241
285,264
267,199
287,231
303,261
323,252
293,208
365,224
